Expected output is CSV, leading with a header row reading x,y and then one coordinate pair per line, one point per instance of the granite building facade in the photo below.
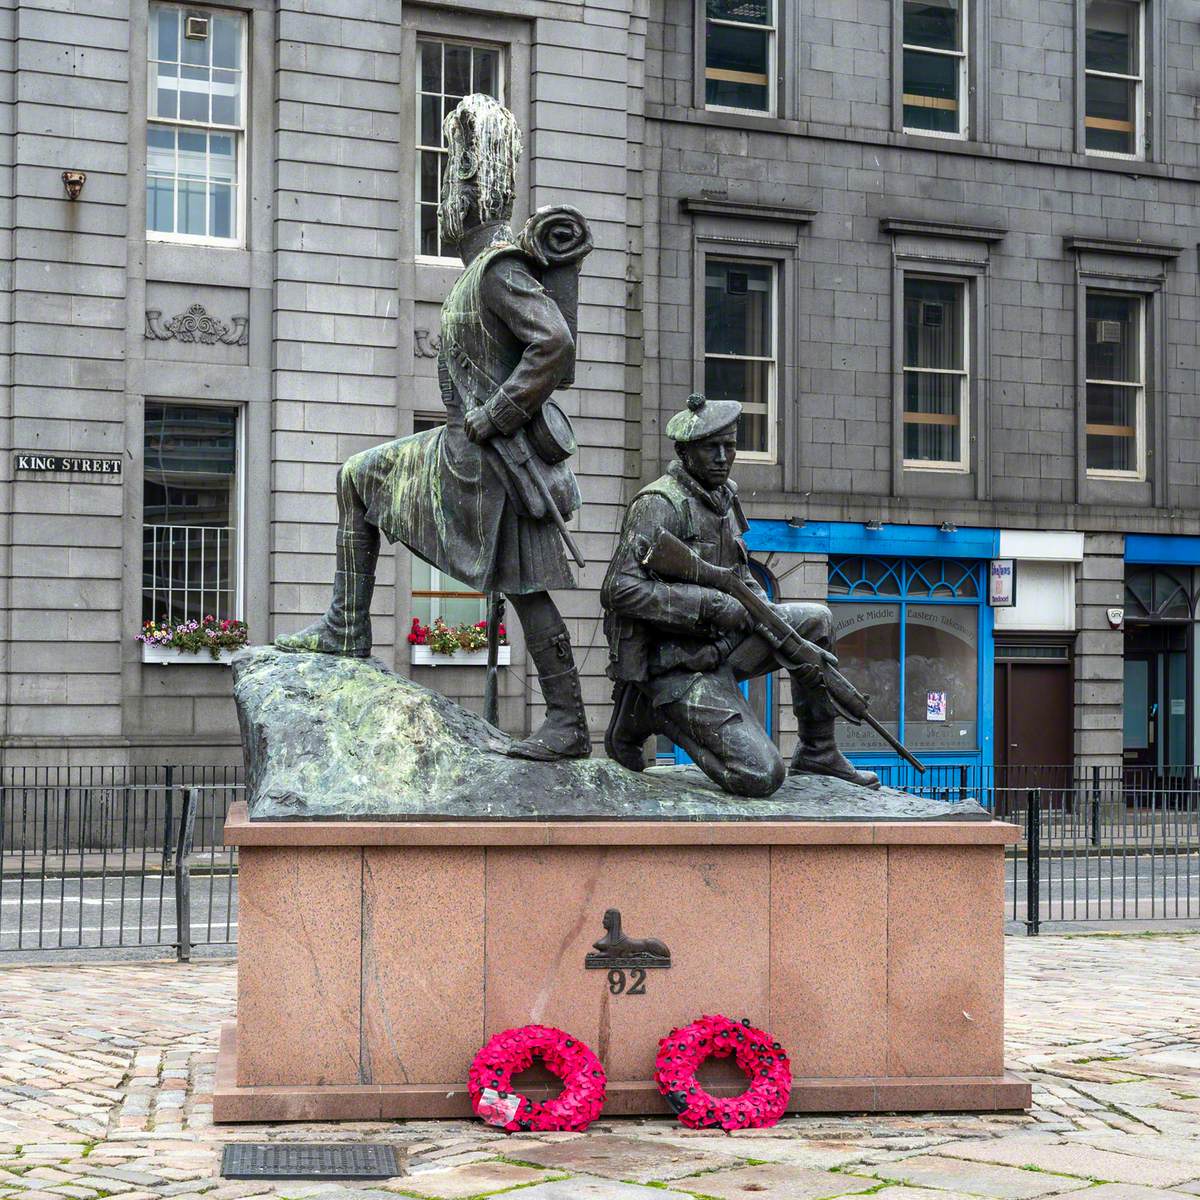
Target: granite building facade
x,y
945,252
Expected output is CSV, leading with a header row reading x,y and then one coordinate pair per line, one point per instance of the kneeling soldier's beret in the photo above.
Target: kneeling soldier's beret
x,y
702,418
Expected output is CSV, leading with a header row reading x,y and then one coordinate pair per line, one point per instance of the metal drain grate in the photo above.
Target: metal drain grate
x,y
308,1160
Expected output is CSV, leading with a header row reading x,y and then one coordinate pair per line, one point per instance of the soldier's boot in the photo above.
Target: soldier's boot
x,y
631,724
346,626
564,732
817,751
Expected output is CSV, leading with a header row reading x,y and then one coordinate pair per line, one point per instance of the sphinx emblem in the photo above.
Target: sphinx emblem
x,y
616,949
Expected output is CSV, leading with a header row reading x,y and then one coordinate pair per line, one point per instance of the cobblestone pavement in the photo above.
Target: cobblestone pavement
x,y
105,1073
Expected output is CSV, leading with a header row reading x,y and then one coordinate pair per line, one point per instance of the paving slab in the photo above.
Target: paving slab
x,y
975,1178
475,1179
1175,1149
798,1151
773,1181
627,1158
583,1188
907,1193
1075,1159
1129,1191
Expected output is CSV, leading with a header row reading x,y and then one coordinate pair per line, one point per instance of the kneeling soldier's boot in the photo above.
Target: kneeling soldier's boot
x,y
632,723
564,732
817,751
346,626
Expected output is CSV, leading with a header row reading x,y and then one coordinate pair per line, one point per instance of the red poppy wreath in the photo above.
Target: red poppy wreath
x,y
682,1051
489,1081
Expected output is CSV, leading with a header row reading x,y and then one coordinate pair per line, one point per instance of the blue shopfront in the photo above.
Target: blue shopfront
x,y
913,629
1162,606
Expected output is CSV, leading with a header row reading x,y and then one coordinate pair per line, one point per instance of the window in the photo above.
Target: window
x,y
1157,594
435,594
1115,382
195,126
190,509
934,91
448,72
739,55
740,353
907,634
935,372
1113,69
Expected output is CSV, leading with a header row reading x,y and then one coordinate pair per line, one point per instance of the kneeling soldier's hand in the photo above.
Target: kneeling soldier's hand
x,y
724,613
808,674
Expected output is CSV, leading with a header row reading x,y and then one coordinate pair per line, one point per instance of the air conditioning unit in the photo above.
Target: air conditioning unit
x,y
1108,333
933,314
195,26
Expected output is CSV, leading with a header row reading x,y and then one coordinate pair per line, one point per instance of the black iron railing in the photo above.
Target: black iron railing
x,y
98,857
95,857
1098,843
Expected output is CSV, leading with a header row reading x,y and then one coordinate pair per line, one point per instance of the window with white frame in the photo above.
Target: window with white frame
x,y
741,347
936,377
1116,384
934,87
447,71
190,512
435,594
739,55
196,123
1114,78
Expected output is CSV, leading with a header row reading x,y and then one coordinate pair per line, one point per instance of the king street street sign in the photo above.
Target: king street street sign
x,y
78,466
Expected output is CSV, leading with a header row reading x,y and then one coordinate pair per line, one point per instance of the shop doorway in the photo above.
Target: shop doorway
x,y
1158,700
1156,696
1035,708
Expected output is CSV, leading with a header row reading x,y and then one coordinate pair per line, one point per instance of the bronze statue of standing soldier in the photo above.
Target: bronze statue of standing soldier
x,y
484,497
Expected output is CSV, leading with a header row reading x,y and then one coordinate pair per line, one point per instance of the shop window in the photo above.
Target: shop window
x,y
195,127
934,89
190,512
435,594
1114,78
739,55
907,634
447,71
936,379
1115,384
741,347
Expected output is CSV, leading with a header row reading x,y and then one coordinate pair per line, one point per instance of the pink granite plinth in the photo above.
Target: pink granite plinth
x,y
376,958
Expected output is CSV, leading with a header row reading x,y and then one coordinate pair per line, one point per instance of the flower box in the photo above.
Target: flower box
x,y
423,656
172,654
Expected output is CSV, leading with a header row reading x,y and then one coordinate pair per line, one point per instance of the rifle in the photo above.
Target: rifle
x,y
669,558
491,689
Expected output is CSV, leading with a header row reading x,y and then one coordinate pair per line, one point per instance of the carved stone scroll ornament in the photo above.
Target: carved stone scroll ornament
x,y
196,325
426,344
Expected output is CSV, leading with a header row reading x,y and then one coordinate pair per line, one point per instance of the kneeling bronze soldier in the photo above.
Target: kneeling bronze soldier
x,y
677,651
